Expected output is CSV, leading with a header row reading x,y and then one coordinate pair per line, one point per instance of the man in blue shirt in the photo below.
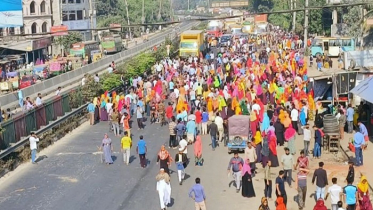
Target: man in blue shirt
x,y
171,86
350,196
205,119
199,195
180,129
191,130
91,112
350,118
358,143
363,130
141,151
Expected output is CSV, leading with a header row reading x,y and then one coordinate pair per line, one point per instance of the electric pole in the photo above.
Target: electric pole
x,y
91,18
143,15
128,18
293,6
306,16
188,4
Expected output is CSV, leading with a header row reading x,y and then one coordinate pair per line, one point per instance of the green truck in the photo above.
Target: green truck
x,y
112,44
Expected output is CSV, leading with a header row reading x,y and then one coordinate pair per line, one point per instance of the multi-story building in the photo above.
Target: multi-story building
x,y
80,14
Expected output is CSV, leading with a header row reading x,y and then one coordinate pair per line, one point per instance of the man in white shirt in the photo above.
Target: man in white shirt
x,y
219,122
306,138
38,100
84,81
250,154
294,117
58,91
33,146
335,192
96,78
183,144
110,69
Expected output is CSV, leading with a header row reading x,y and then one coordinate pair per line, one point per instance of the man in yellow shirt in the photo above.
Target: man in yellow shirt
x,y
199,90
126,144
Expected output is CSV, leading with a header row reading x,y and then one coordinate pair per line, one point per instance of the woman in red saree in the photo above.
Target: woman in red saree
x,y
272,143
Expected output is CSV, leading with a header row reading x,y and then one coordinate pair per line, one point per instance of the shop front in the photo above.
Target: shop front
x,y
39,50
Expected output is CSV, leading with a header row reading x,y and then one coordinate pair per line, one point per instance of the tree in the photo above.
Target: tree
x,y
68,40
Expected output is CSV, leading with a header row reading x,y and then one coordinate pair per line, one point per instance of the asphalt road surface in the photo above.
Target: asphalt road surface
x,y
70,176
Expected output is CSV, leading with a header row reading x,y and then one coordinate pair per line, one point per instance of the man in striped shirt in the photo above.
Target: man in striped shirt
x,y
301,186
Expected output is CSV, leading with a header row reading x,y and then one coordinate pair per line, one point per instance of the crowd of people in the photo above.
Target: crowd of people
x,y
263,77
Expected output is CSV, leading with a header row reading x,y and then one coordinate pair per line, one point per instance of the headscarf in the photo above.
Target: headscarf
x,y
363,187
320,205
246,168
289,133
280,203
265,123
163,154
263,206
95,100
198,146
272,142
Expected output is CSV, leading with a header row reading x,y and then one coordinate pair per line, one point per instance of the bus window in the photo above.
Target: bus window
x,y
346,42
326,46
338,42
316,42
332,42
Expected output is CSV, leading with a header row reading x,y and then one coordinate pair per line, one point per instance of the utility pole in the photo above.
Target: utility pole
x,y
128,18
143,15
293,6
306,16
91,18
188,4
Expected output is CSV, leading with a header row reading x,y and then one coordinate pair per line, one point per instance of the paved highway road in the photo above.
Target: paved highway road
x,y
72,177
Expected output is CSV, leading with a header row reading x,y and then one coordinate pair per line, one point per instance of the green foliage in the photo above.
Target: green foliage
x,y
319,20
351,16
91,88
110,81
137,65
67,41
114,11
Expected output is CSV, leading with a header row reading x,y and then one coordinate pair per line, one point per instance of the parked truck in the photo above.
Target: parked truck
x,y
261,23
192,42
112,44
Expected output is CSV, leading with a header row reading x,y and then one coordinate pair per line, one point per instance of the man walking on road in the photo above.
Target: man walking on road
x,y
335,192
236,164
141,151
301,186
213,133
321,182
220,123
126,144
33,146
199,195
91,113
250,154
280,186
287,161
181,161
350,196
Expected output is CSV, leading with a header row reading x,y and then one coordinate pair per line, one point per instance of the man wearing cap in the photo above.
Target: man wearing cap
x,y
213,133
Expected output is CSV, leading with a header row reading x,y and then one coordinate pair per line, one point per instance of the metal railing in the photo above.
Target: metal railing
x,y
50,85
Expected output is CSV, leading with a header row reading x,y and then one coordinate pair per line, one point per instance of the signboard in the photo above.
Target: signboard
x,y
59,30
115,27
11,13
77,24
41,43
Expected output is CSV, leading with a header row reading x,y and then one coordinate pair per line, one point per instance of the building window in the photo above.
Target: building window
x,y
32,7
1,31
42,7
78,1
22,29
71,1
44,27
79,15
11,30
72,15
33,28
63,1
65,16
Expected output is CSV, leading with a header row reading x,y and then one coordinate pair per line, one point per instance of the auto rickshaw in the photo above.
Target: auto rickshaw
x,y
238,132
